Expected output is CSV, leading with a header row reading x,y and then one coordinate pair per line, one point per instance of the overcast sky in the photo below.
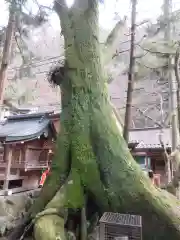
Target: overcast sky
x,y
146,9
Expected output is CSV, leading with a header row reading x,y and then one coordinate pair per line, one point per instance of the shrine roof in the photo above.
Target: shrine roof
x,y
149,138
25,127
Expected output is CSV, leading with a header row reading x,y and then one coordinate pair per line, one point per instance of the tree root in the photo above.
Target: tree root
x,y
27,229
59,220
49,227
49,224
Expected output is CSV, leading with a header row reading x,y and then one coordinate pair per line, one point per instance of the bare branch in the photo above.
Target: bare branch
x,y
62,11
112,37
148,117
127,50
41,7
112,41
118,53
141,55
152,68
151,51
142,22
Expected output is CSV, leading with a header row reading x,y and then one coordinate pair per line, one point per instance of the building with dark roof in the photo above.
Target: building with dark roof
x,y
28,143
26,127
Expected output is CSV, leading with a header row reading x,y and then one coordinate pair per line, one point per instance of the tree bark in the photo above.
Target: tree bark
x,y
92,158
176,69
170,74
130,89
7,50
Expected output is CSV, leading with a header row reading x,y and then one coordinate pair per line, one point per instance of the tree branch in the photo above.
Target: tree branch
x,y
142,22
62,11
152,68
127,50
112,41
153,52
84,5
148,117
112,37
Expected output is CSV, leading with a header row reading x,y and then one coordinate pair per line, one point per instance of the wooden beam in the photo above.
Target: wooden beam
x,y
13,177
8,159
38,148
139,154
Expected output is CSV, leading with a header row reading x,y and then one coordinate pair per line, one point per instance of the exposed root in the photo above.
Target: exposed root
x,y
49,224
27,229
49,227
46,212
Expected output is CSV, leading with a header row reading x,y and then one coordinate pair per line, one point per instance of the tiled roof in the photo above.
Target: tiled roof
x,y
149,138
24,127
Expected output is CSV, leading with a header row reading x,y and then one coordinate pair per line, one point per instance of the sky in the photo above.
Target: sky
x,y
145,9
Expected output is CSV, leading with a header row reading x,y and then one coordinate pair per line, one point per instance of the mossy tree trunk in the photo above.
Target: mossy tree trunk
x,y
92,157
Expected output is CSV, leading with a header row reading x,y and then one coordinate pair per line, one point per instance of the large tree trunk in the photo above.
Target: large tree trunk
x,y
92,157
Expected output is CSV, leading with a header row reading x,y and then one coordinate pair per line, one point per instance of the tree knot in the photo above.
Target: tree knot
x,y
56,75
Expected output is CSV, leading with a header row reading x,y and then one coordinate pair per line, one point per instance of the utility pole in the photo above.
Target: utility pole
x,y
127,119
7,51
171,79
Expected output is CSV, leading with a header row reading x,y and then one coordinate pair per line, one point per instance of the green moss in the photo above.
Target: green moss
x,y
49,227
129,191
74,191
84,160
49,224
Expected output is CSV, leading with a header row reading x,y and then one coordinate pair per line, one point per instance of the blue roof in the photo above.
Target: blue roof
x,y
24,127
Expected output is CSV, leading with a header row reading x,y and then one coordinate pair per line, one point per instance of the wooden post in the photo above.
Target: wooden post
x,y
26,154
8,159
20,156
